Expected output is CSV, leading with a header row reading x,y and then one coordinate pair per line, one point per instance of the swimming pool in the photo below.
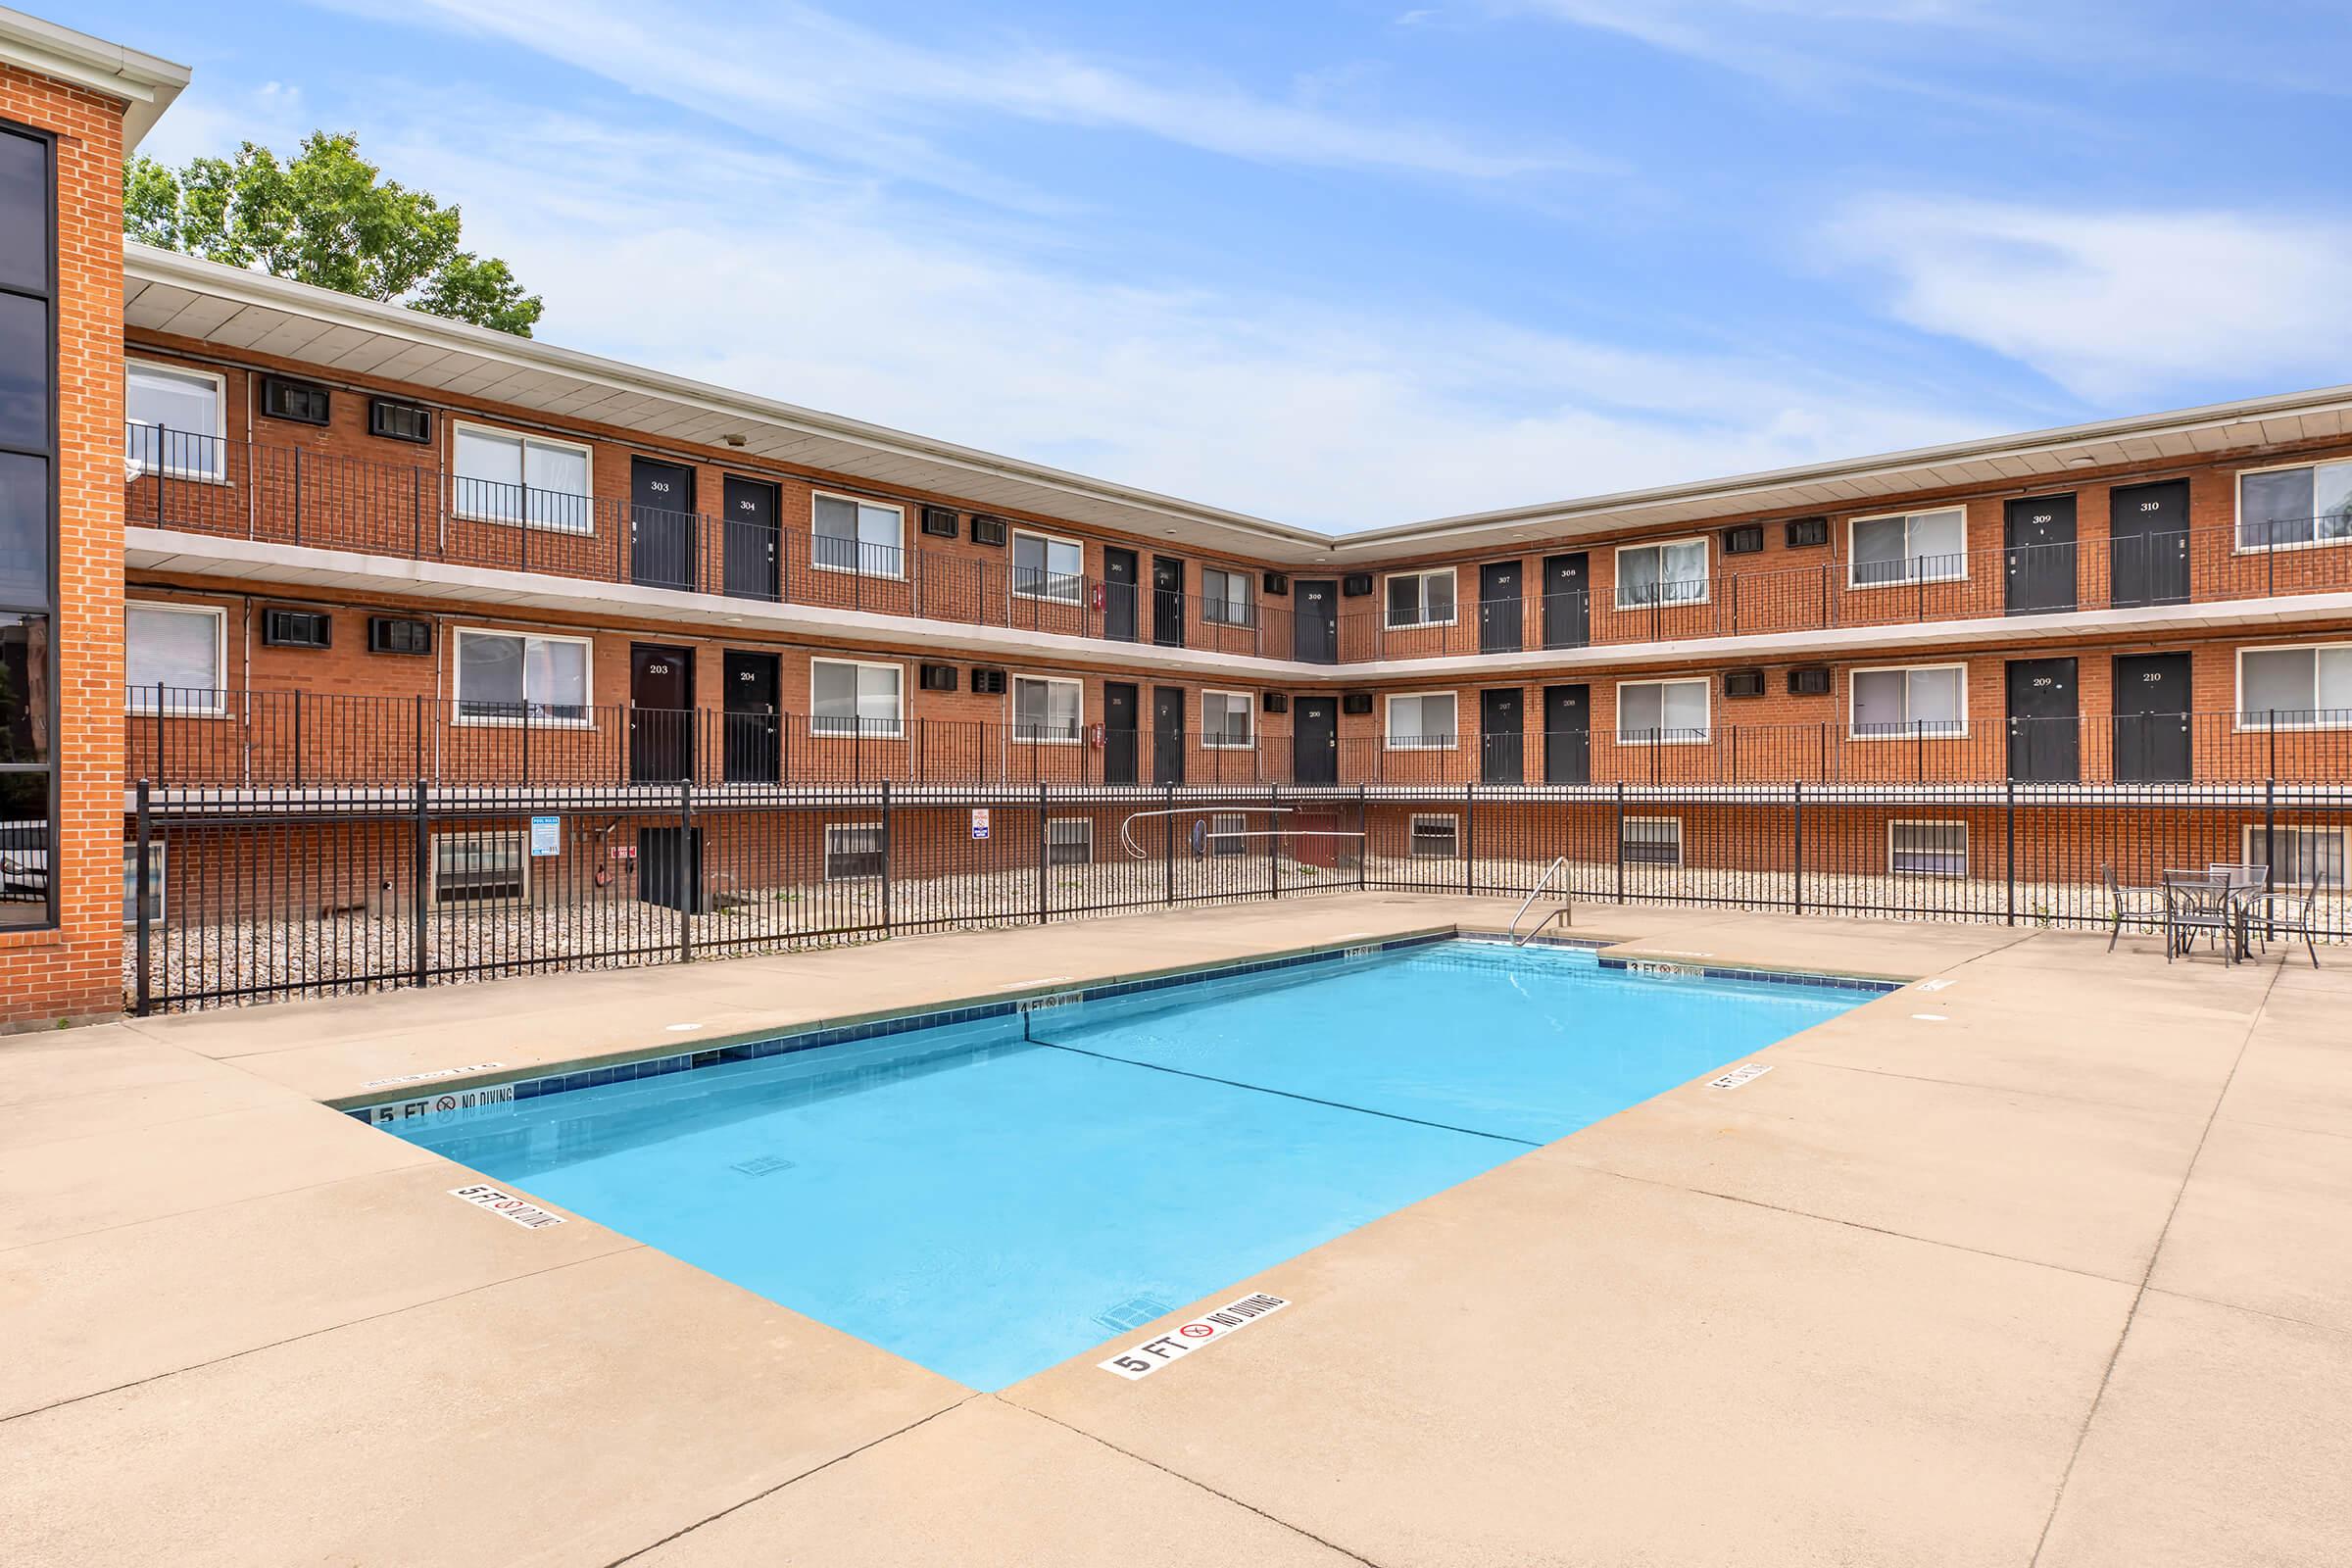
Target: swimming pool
x,y
991,1196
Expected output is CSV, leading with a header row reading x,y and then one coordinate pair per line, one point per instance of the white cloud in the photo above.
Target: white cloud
x,y
2118,307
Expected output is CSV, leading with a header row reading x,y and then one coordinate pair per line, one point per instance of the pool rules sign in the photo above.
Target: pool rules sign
x,y
1186,1337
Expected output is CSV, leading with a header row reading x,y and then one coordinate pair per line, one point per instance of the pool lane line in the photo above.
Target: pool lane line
x,y
1262,1088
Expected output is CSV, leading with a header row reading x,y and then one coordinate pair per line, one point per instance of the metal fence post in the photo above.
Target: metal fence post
x,y
145,873
2009,838
689,870
1469,838
1274,844
1041,852
1363,843
1621,841
887,858
1796,801
1167,847
419,873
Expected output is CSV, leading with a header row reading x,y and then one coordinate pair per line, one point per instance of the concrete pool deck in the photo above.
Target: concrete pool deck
x,y
2060,1274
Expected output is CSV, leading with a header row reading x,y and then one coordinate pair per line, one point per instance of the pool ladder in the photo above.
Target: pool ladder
x,y
1563,915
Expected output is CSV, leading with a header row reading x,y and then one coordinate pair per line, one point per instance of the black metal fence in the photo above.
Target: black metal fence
x,y
316,893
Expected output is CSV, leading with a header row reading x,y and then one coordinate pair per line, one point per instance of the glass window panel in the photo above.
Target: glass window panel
x,y
25,366
1939,541
2275,507
488,471
1879,698
489,677
1878,550
2283,680
1933,699
836,523
23,529
186,410
2334,672
546,466
1438,596
877,700
24,838
2331,501
833,698
26,246
878,540
1639,710
1684,571
24,716
1683,705
1404,600
555,678
1636,576
178,649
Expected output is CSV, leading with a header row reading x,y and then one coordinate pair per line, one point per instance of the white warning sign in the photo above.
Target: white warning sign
x,y
1186,1337
506,1206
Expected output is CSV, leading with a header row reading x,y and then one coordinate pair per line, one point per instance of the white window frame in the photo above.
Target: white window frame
x,y
457,696
1706,576
1248,721
522,862
2237,522
2250,838
1706,731
1853,732
220,431
2243,717
1412,836
1013,708
1909,578
1086,822
1388,724
1961,875
585,529
1674,822
218,708
898,728
1219,618
1075,582
858,570
825,847
1421,599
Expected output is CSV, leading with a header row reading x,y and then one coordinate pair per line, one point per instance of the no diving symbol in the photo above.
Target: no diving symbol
x,y
1196,1330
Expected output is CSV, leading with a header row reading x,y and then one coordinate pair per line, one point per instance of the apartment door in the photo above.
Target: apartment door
x,y
1167,734
660,713
1167,600
2045,721
1315,622
1316,740
661,523
1502,736
1567,600
750,751
2153,733
1121,740
750,542
2147,544
2038,552
1118,595
1501,622
1567,734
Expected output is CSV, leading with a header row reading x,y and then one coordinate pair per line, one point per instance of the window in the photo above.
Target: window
x,y
175,422
1673,572
1919,546
482,866
2295,688
1421,598
1070,841
1652,840
518,678
303,402
1225,833
850,697
1927,848
860,536
179,649
1929,700
504,476
28,674
1436,838
1225,719
395,420
1662,713
1047,710
2286,507
854,850
2298,856
1422,722
155,882
1044,568
1225,598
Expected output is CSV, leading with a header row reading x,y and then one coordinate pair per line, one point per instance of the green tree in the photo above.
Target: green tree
x,y
327,217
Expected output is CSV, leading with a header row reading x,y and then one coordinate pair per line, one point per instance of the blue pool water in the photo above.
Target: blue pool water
x,y
989,1205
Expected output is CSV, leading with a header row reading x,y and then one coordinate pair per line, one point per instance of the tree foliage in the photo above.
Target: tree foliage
x,y
327,217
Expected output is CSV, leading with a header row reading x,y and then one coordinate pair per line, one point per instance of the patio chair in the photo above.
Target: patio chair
x,y
2194,901
2291,913
2138,906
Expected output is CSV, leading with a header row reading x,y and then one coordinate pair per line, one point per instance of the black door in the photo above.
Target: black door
x,y
660,712
1567,734
2152,734
2038,544
1316,740
1121,739
1118,594
1501,622
1167,600
1315,626
2147,544
750,542
661,523
751,751
2045,741
1501,737
1167,734
1567,600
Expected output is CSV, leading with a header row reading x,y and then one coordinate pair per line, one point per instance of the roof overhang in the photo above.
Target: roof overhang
x,y
145,85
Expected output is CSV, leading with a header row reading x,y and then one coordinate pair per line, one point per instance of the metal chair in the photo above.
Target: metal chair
x,y
2293,914
2138,906
2194,901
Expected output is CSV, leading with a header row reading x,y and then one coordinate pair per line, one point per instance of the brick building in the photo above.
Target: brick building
x,y
310,543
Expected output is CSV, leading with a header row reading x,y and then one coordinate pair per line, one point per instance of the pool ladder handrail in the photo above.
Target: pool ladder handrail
x,y
1564,913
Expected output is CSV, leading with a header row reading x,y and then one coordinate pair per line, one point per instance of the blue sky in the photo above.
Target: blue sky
x,y
1349,263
